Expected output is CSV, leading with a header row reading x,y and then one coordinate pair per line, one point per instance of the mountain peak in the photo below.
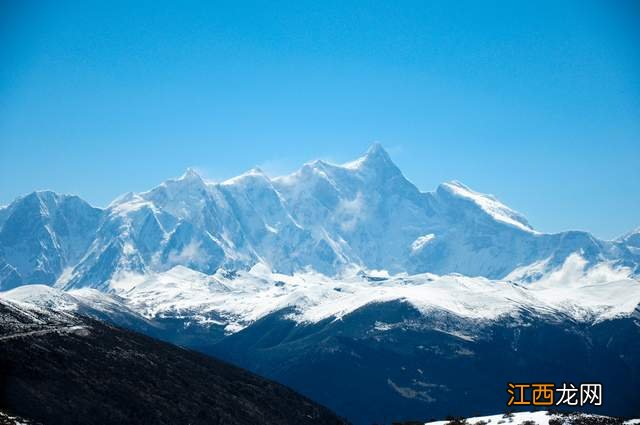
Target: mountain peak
x,y
250,174
255,170
191,179
190,174
43,196
376,154
376,149
44,199
375,158
189,182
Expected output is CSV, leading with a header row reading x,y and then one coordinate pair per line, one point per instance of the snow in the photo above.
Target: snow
x,y
490,205
420,243
55,301
242,178
375,153
541,417
580,291
13,420
131,204
42,296
236,300
324,217
583,295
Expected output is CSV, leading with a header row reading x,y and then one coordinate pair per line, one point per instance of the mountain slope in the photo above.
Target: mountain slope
x,y
402,347
85,302
41,234
389,360
344,281
58,367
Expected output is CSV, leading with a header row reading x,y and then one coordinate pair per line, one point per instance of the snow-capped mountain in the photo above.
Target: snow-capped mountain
x,y
403,346
85,302
327,218
345,282
234,302
42,234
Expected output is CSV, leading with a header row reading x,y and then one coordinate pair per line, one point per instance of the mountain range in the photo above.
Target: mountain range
x,y
345,282
328,218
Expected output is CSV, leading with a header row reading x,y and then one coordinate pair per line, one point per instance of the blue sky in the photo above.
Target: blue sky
x,y
535,102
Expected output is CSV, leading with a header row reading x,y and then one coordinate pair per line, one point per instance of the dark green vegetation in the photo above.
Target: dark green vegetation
x,y
66,369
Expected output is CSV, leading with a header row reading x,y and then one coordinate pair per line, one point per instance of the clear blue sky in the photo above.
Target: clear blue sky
x,y
535,102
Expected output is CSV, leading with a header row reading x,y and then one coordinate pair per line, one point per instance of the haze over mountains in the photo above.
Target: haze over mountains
x,y
324,217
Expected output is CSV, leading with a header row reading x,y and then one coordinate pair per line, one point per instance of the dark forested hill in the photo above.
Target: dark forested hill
x,y
59,368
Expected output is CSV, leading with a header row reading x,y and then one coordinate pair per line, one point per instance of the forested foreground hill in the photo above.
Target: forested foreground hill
x,y
60,368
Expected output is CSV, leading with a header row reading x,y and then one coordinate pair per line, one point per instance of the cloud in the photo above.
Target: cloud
x,y
574,271
350,211
190,254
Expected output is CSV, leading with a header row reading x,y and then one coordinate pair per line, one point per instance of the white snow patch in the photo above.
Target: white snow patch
x,y
539,418
250,295
490,205
421,242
